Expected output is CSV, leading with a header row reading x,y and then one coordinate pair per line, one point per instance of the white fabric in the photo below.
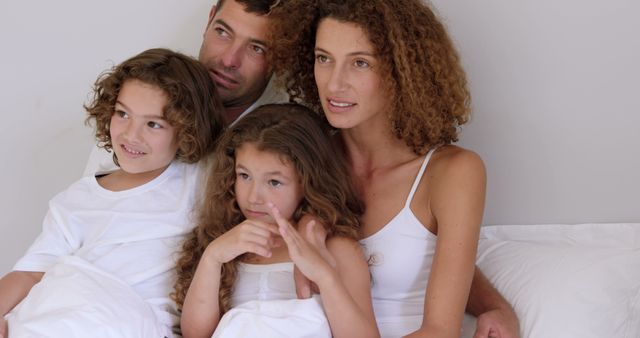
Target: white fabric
x,y
567,281
293,318
133,235
101,161
264,304
263,282
77,300
401,254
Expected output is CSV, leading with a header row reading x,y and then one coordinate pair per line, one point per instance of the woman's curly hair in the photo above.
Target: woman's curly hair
x,y
421,71
301,138
193,107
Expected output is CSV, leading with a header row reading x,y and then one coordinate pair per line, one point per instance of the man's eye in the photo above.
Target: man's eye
x,y
258,50
221,32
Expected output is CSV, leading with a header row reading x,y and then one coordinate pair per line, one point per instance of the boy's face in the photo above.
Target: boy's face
x,y
144,142
234,51
263,177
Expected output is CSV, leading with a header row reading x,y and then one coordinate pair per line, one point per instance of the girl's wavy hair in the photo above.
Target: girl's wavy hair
x,y
299,137
193,107
420,68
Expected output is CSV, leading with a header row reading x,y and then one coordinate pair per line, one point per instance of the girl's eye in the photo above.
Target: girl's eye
x,y
361,64
242,176
320,58
275,183
122,114
154,125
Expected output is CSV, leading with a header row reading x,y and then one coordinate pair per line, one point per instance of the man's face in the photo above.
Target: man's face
x,y
234,51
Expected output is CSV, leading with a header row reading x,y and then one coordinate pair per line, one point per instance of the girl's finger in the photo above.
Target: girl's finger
x,y
256,224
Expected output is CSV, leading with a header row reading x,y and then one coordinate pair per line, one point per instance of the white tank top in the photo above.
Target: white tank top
x,y
400,262
263,282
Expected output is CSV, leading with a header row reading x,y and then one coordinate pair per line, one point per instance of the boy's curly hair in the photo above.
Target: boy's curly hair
x,y
193,107
420,68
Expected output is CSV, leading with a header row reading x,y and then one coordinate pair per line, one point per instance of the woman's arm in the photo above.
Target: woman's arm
x,y
341,273
457,194
201,309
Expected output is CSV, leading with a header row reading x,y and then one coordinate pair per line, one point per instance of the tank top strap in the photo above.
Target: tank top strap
x,y
414,187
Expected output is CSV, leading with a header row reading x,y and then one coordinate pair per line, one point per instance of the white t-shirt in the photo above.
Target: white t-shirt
x,y
133,235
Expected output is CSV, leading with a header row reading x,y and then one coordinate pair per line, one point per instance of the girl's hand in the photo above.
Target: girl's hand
x,y
313,259
4,330
251,236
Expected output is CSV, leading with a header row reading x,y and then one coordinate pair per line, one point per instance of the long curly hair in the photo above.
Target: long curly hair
x,y
193,107
300,137
420,68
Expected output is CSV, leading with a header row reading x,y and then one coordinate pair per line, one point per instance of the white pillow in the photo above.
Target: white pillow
x,y
567,280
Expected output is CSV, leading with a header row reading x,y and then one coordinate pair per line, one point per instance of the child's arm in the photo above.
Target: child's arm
x,y
201,310
14,286
344,283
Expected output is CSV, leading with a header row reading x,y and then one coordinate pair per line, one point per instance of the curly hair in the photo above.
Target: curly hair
x,y
421,71
193,107
301,137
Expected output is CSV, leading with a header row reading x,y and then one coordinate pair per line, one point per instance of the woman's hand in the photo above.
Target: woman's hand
x,y
311,257
250,236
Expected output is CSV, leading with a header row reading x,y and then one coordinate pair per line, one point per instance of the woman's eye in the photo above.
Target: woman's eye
x,y
322,58
154,125
242,176
275,183
122,114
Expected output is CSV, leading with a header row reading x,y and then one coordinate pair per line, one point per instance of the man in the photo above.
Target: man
x,y
234,50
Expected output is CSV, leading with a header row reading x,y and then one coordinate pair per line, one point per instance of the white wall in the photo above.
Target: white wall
x,y
51,53
555,87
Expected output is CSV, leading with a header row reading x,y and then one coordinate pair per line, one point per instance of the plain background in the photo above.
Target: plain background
x,y
554,84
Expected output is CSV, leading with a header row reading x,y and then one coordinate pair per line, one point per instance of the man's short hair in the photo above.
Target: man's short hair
x,y
260,7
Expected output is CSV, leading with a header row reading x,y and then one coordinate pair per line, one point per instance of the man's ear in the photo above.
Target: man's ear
x,y
212,13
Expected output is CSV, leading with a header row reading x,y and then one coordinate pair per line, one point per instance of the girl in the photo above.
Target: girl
x,y
103,266
275,166
386,74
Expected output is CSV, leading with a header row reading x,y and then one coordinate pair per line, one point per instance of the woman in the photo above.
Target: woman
x,y
386,75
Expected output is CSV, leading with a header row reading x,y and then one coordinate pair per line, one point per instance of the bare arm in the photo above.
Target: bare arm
x,y
201,310
457,203
14,286
347,295
496,317
345,288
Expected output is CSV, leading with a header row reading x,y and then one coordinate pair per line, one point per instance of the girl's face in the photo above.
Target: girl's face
x,y
347,75
142,140
262,177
